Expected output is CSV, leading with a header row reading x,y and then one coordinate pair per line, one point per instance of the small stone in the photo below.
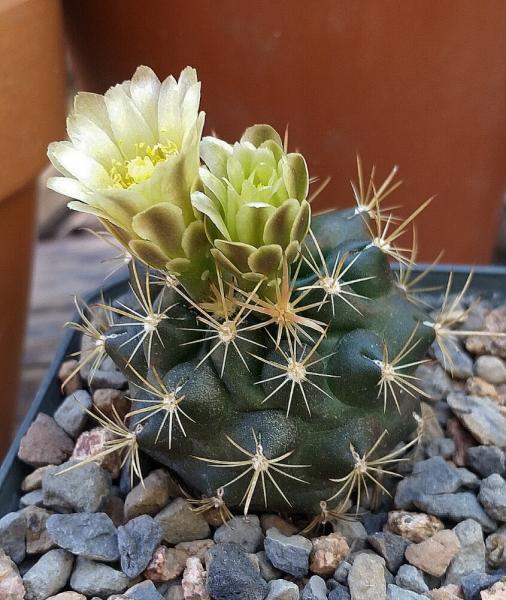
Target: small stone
x,y
456,508
145,590
471,555
45,443
90,535
243,531
470,480
71,415
198,548
353,532
315,589
342,572
114,508
279,589
447,592
33,481
13,536
486,460
232,575
267,571
415,527
180,523
435,554
82,489
166,564
49,575
11,584
175,592
410,578
462,438
459,364
397,593
493,496
431,476
149,499
367,578
441,446
137,541
268,521
391,547
374,522
194,580
105,400
35,498
476,386
38,540
107,379
68,373
481,416
328,553
491,369
339,592
434,380
95,579
473,584
94,442
496,592
68,596
289,554
495,546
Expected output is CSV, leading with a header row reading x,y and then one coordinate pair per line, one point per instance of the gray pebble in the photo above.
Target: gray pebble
x,y
460,364
441,446
83,489
470,480
267,570
397,593
471,555
245,532
495,546
434,380
232,575
367,577
391,547
13,536
289,554
342,572
145,590
340,592
315,589
95,579
180,523
90,535
71,415
431,476
410,578
137,541
493,496
456,508
485,460
280,589
473,584
491,369
35,498
49,575
353,532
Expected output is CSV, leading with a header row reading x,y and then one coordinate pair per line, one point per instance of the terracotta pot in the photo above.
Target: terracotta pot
x,y
32,109
419,84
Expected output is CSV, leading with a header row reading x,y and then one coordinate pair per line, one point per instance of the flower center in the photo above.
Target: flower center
x,y
141,167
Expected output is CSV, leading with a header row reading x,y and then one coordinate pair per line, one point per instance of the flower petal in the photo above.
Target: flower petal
x,y
79,165
93,106
144,90
215,153
67,187
92,140
164,225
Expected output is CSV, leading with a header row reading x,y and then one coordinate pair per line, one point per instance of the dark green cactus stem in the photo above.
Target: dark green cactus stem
x,y
220,420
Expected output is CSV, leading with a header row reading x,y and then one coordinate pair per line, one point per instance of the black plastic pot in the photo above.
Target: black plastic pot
x,y
488,283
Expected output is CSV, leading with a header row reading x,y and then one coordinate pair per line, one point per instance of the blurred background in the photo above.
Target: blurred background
x,y
417,83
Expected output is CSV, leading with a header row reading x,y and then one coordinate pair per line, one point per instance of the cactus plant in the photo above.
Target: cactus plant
x,y
270,354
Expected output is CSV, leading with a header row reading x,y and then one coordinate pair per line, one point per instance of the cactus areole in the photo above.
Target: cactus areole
x,y
270,352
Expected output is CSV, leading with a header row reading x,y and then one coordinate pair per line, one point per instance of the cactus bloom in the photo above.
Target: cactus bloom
x,y
253,199
132,159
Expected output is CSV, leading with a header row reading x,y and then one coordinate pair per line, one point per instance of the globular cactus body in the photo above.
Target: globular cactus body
x,y
345,404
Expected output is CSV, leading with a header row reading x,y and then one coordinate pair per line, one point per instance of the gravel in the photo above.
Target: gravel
x,y
245,532
137,541
49,575
289,554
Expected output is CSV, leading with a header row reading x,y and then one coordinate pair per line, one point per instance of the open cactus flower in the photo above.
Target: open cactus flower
x,y
270,352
